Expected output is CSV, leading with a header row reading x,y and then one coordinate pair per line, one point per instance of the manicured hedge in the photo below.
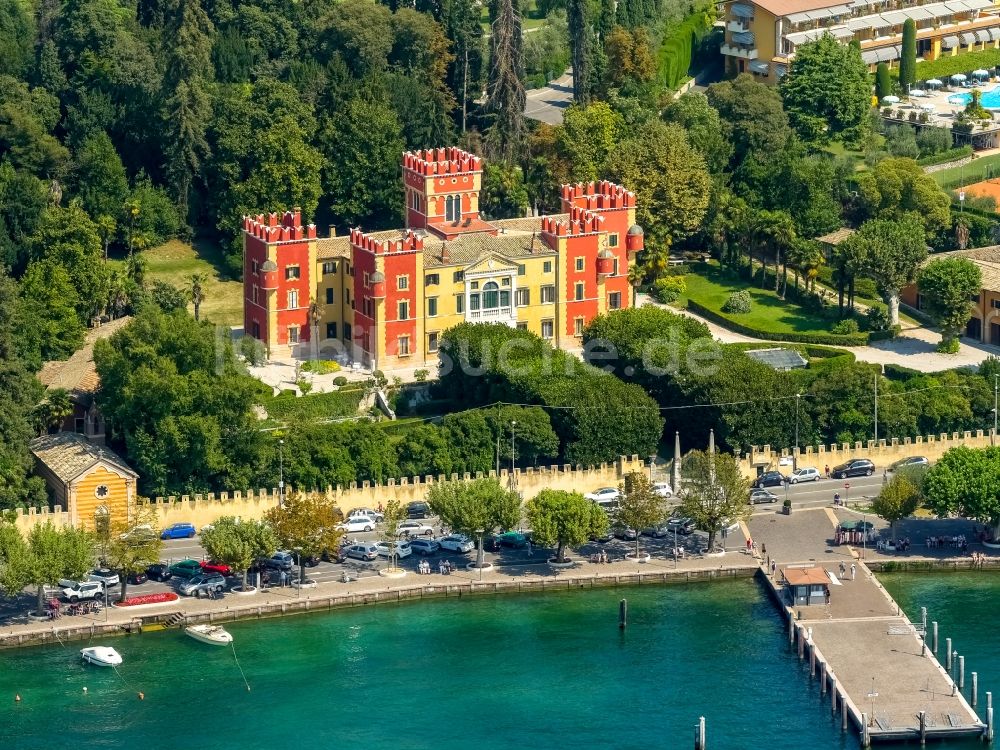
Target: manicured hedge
x,y
952,154
853,339
313,407
947,66
673,59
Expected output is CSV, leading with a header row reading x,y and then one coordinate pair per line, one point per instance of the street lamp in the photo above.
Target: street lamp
x,y
873,695
513,481
993,437
795,454
281,472
652,462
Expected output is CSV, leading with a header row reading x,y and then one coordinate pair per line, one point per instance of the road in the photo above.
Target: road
x,y
548,103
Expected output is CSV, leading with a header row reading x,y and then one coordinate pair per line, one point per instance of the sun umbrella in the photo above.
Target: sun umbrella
x,y
890,99
958,77
933,83
980,73
918,92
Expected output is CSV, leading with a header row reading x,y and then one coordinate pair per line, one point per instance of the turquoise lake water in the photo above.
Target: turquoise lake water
x,y
488,672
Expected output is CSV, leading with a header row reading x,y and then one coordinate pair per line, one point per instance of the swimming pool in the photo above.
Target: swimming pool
x,y
990,99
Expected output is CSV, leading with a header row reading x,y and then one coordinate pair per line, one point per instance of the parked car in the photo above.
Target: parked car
x,y
758,497
605,493
107,576
137,579
911,461
663,489
657,532
805,474
770,479
510,539
216,567
681,525
280,560
185,568
373,514
607,536
418,510
178,531
83,590
456,543
403,549
310,561
858,467
141,533
626,533
366,551
424,546
203,582
414,528
357,523
159,572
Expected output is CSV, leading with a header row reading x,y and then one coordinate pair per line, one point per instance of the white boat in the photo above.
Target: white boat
x,y
102,656
214,635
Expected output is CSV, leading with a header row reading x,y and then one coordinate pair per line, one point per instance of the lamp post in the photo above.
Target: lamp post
x,y
873,695
479,563
281,472
513,481
996,382
795,454
652,463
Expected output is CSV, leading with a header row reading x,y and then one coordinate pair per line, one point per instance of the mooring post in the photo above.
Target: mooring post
x,y
791,628
833,694
923,621
866,740
822,678
923,727
961,672
701,733
935,638
623,613
843,713
947,654
802,644
812,660
989,716
975,689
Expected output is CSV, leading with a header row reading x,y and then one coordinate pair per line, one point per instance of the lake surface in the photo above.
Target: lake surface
x,y
502,672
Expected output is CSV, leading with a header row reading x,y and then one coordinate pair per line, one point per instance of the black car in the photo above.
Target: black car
x,y
418,510
311,561
858,467
769,479
159,572
137,579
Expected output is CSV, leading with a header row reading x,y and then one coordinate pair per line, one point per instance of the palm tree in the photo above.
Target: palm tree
x,y
197,295
55,409
805,258
136,267
106,228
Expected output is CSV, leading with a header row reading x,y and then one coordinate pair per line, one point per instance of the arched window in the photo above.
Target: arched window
x,y
491,296
102,520
453,208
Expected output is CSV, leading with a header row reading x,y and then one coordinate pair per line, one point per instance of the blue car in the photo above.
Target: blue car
x,y
178,531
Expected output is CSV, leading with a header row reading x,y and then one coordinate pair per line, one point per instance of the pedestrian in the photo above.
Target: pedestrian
x,y
827,589
843,570
774,568
749,546
826,471
854,571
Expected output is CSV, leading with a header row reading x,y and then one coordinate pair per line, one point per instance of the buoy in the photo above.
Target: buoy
x,y
17,698
142,696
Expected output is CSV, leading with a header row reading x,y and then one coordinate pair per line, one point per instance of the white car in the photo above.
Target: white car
x,y
805,474
106,576
456,543
604,494
373,514
663,489
414,528
83,590
357,523
402,549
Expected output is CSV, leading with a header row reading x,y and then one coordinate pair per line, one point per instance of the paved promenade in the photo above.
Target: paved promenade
x,y
860,644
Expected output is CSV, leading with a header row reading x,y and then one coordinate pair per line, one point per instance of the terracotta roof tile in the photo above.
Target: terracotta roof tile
x,y
68,455
987,258
78,375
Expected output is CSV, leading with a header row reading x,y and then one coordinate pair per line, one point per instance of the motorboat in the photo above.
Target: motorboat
x,y
102,656
214,635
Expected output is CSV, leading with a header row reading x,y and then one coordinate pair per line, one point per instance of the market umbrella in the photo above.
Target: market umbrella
x,y
890,99
933,83
918,92
980,73
959,77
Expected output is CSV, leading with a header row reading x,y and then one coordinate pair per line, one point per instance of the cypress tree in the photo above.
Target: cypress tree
x,y
579,42
607,21
908,58
505,97
883,86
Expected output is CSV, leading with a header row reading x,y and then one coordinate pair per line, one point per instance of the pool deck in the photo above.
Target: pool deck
x,y
862,649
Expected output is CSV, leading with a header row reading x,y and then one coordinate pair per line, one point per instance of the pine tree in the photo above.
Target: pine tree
x,y
579,42
505,97
908,58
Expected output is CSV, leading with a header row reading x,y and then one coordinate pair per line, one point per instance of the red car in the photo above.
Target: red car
x,y
216,567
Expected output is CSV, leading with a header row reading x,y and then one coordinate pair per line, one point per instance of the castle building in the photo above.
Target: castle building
x,y
383,299
761,36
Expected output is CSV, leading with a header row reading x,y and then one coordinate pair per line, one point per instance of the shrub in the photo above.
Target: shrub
x,y
877,318
739,302
845,326
321,366
340,381
669,289
948,347
421,375
253,351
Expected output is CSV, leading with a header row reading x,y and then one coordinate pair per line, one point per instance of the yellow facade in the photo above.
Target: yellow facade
x,y
87,495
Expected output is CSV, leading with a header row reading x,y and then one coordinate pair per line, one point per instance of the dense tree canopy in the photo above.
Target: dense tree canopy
x,y
946,286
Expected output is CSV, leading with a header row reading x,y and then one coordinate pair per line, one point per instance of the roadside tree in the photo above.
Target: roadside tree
x,y
564,519
946,285
966,481
638,505
393,514
897,500
239,543
715,492
475,508
48,555
132,544
307,525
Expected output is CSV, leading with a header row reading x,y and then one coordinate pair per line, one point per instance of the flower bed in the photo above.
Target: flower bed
x,y
138,601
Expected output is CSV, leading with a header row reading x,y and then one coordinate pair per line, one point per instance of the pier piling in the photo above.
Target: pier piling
x,y
923,727
833,695
947,654
934,640
866,740
812,661
822,678
802,644
961,673
975,689
843,714
623,613
699,734
989,716
791,628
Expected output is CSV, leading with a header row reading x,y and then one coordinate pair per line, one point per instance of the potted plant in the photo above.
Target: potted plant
x,y
786,507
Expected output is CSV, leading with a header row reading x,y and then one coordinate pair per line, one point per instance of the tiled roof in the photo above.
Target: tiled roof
x,y
987,258
78,375
836,236
785,7
68,455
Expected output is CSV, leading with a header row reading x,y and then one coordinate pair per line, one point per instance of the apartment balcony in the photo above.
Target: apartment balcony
x,y
737,26
736,50
506,315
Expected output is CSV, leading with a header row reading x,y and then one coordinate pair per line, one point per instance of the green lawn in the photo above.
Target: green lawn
x,y
289,410
710,286
857,158
174,262
980,169
531,17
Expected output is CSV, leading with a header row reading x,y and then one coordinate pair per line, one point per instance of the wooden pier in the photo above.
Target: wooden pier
x,y
872,665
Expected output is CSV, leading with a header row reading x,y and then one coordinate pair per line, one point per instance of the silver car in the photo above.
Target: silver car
x,y
456,543
206,582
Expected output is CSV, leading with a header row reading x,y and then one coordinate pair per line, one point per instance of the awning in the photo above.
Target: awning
x,y
798,17
994,34
744,37
918,13
967,38
841,32
949,42
759,66
780,70
956,6
885,54
741,10
983,35
870,56
895,17
978,4
865,22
